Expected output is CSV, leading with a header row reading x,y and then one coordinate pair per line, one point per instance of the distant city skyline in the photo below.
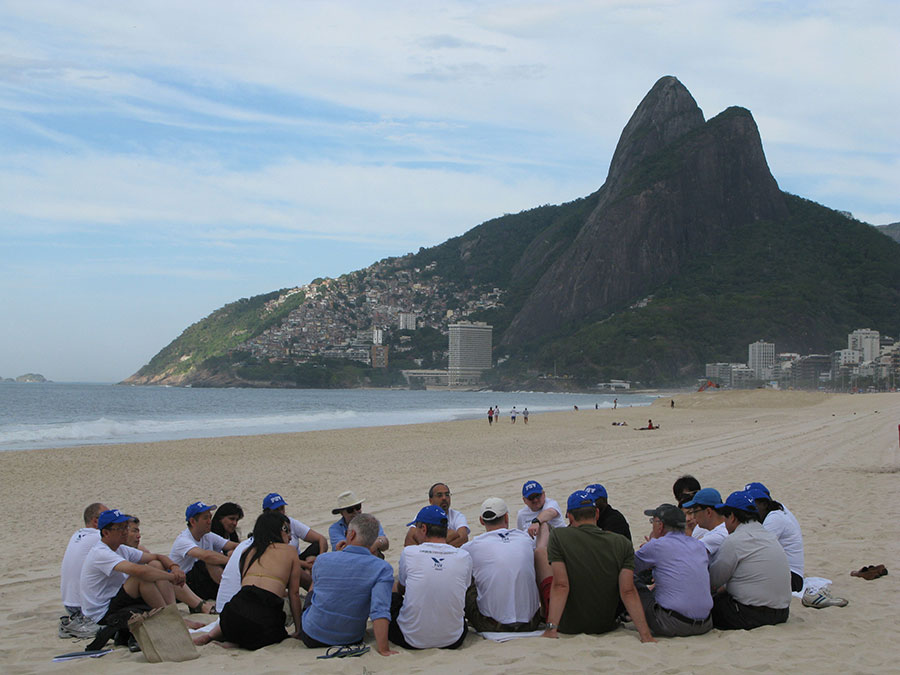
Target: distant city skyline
x,y
162,160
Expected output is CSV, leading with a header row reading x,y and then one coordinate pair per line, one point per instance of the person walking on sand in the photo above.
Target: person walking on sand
x,y
525,415
615,403
512,415
490,416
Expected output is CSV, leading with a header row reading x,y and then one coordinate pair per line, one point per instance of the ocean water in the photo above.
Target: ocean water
x,y
48,415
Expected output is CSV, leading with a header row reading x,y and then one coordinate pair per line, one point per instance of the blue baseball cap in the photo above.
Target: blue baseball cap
x,y
756,493
740,500
596,491
530,488
704,497
431,515
757,486
273,501
196,509
111,517
579,499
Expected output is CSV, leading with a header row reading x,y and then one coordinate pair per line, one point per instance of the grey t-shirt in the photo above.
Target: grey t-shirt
x,y
753,568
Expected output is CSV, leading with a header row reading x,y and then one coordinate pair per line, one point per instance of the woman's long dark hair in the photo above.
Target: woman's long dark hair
x,y
266,531
226,509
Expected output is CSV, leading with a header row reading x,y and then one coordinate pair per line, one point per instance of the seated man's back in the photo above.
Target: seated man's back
x,y
503,568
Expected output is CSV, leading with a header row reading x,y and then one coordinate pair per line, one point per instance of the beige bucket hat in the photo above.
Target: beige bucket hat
x,y
346,500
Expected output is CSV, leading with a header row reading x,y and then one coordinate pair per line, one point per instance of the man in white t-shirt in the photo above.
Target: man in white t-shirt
x,y
200,553
116,577
299,532
538,509
75,624
428,605
457,525
703,509
505,595
779,520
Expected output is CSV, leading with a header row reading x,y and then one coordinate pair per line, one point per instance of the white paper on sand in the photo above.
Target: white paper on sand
x,y
814,584
503,637
208,627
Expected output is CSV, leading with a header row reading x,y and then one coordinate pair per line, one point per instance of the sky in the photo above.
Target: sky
x,y
161,159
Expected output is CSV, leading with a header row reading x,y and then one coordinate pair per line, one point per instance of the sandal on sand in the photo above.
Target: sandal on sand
x,y
200,606
341,651
870,572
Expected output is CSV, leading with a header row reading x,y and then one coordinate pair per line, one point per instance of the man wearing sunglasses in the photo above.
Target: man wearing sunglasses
x,y
348,506
538,509
457,524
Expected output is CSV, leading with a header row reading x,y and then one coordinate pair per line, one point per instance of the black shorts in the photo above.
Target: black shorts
x,y
199,581
120,603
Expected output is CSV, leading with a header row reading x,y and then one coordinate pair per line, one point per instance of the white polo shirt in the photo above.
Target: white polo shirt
x,y
73,560
786,529
456,520
713,539
185,542
298,533
503,567
436,577
526,515
231,575
99,581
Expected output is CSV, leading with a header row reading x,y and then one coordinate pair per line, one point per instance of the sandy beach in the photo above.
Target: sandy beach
x,y
832,459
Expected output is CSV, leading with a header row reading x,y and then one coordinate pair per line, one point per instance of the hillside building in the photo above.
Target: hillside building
x,y
470,351
407,321
866,341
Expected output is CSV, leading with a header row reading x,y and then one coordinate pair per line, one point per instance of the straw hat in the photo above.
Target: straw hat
x,y
346,500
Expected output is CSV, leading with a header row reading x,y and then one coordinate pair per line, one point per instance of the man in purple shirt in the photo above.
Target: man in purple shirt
x,y
348,587
679,603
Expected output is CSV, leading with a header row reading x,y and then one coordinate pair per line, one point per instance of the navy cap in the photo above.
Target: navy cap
x,y
531,488
595,490
669,514
579,499
740,500
431,515
196,509
273,501
111,517
704,497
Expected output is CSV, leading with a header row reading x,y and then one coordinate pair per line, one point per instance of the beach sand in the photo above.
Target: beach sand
x,y
833,460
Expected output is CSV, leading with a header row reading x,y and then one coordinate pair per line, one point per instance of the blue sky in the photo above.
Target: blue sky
x,y
160,159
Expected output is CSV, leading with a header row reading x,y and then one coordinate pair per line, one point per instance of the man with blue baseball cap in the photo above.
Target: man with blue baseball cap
x,y
538,509
608,518
702,507
591,571
429,599
750,576
779,520
200,553
116,577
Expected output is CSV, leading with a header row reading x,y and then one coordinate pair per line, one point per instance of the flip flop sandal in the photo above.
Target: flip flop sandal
x,y
340,651
198,608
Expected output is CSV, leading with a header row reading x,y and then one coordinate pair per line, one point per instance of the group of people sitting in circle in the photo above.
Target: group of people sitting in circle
x,y
707,562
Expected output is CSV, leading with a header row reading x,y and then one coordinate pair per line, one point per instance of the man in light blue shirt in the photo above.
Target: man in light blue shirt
x,y
348,506
348,587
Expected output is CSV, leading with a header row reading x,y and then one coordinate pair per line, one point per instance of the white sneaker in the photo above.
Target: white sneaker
x,y
822,597
79,627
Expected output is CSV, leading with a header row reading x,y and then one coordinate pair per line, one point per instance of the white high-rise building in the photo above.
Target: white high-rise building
x,y
761,359
470,351
407,321
866,341
377,336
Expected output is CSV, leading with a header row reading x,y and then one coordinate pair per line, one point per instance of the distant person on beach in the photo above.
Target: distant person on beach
x,y
116,577
199,553
672,402
490,416
350,585
615,403
504,596
750,576
254,617
429,599
457,525
525,415
349,506
538,509
512,415
710,522
650,426
672,578
587,572
299,532
75,623
225,520
576,408
608,518
778,520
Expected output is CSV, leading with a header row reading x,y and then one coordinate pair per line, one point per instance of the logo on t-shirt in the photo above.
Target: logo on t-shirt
x,y
504,537
438,563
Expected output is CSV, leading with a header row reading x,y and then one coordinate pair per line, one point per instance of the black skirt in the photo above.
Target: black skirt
x,y
253,618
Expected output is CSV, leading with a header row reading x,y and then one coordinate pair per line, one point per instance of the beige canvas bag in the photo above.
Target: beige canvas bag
x,y
162,635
